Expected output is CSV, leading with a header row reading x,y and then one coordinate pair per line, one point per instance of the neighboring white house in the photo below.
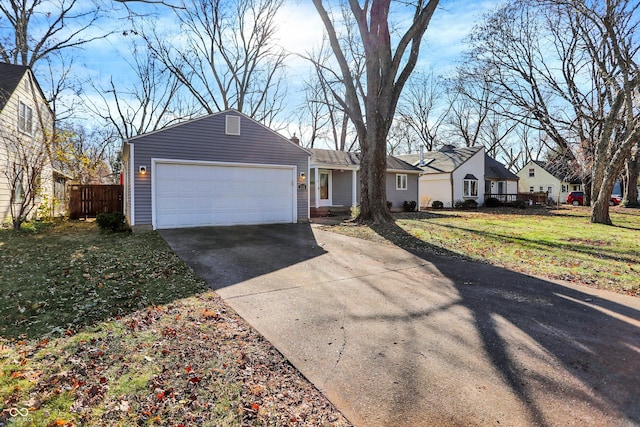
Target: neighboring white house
x,y
25,121
450,174
538,176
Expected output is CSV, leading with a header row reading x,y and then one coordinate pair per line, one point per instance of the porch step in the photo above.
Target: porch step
x,y
318,212
329,211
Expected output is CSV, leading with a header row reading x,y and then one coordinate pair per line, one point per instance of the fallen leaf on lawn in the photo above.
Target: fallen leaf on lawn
x,y
208,314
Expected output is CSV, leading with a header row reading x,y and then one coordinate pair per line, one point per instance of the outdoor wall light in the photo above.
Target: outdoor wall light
x,y
302,176
142,170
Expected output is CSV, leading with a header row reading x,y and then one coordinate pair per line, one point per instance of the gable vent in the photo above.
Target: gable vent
x,y
233,125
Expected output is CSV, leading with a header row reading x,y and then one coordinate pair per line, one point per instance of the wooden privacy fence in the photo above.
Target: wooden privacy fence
x,y
90,200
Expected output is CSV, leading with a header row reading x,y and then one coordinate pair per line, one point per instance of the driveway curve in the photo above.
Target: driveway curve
x,y
400,339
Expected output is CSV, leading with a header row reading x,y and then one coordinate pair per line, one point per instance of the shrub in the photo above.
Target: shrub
x,y
492,202
437,204
465,204
520,204
114,222
409,206
470,204
389,204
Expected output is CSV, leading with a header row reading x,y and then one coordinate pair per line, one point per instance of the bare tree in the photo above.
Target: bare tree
x,y
608,34
567,68
328,119
424,107
632,172
150,101
41,32
402,138
372,109
227,56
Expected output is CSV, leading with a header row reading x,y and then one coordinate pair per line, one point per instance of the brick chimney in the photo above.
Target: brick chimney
x,y
295,139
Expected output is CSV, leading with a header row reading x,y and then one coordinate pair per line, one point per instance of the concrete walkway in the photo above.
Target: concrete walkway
x,y
394,339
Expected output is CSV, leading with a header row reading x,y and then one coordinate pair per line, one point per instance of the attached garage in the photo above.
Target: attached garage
x,y
206,194
221,169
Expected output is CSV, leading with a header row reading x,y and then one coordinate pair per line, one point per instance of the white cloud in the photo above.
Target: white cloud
x,y
299,32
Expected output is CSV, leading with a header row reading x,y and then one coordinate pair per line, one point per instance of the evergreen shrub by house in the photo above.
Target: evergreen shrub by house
x,y
114,222
492,202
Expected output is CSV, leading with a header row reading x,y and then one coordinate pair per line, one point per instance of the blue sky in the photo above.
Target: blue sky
x,y
300,30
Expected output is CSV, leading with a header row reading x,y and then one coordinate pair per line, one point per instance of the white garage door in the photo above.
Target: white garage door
x,y
192,195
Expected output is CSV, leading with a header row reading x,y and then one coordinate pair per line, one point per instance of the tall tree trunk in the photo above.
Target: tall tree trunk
x,y
373,184
631,182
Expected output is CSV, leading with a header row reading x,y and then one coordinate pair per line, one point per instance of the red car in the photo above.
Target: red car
x,y
576,198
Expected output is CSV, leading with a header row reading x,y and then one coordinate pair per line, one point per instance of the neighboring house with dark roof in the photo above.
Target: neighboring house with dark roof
x,y
334,181
558,181
450,174
458,173
498,180
25,121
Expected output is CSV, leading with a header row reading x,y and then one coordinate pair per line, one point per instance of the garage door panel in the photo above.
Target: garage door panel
x,y
188,195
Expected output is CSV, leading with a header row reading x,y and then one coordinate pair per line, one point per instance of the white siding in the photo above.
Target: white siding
x,y
435,187
475,167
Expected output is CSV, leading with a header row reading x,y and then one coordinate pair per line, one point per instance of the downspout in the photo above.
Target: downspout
x,y
354,188
308,189
316,186
452,189
132,184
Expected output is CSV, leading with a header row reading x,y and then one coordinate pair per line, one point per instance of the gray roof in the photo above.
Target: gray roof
x,y
560,170
350,159
10,76
446,160
493,169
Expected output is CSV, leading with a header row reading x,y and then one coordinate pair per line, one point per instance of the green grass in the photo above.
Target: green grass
x,y
558,244
115,330
61,278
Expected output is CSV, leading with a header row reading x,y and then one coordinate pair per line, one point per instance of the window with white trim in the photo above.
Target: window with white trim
x,y
470,188
18,190
401,181
532,172
25,117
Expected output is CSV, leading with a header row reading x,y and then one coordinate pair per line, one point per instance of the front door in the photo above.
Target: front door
x,y
324,178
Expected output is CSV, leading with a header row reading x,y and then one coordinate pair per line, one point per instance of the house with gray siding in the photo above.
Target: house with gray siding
x,y
335,185
220,169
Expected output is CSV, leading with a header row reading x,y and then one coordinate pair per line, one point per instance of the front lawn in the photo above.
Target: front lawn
x,y
115,330
71,275
554,243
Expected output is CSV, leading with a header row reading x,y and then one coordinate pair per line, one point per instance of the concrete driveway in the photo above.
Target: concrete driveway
x,y
396,339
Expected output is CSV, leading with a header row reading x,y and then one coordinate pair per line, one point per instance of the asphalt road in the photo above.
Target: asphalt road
x,y
396,339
